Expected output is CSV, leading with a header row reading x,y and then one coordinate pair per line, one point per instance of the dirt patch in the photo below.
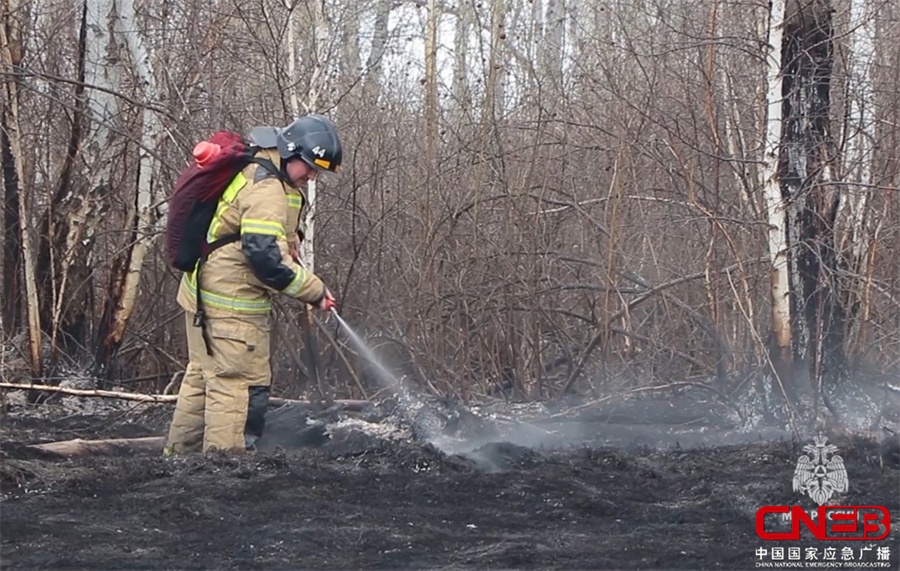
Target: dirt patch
x,y
334,491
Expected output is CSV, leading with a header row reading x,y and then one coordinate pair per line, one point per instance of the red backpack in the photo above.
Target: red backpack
x,y
192,204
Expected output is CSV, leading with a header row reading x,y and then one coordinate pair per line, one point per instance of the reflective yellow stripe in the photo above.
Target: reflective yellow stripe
x,y
266,227
297,283
236,184
231,192
295,201
237,305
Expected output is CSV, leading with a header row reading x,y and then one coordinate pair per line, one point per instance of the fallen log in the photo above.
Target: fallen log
x,y
346,404
301,436
110,446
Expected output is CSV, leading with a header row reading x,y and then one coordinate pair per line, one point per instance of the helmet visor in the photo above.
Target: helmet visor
x,y
320,164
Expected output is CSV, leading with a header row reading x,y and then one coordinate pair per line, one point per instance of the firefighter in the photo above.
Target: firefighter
x,y
224,393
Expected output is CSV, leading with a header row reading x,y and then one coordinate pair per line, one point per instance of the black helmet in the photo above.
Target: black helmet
x,y
312,138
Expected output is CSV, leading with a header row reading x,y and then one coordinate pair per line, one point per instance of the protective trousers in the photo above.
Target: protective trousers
x,y
223,397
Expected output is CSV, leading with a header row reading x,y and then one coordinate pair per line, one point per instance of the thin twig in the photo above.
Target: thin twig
x,y
348,404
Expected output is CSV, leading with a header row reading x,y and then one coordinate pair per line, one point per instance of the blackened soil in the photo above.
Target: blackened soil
x,y
362,502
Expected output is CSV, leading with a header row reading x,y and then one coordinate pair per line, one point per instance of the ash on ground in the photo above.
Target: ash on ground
x,y
487,436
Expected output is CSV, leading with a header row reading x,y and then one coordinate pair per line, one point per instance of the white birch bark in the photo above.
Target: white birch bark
x,y
496,88
322,35
774,203
351,64
291,39
535,31
554,41
431,91
147,221
307,249
317,85
461,56
379,45
102,79
861,125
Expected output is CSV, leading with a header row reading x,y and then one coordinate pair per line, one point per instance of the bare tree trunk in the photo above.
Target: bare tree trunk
x,y
499,54
12,238
818,313
125,286
291,39
11,53
379,46
852,234
716,231
70,221
322,34
553,47
535,32
780,339
74,228
461,54
317,85
861,126
71,224
350,59
431,114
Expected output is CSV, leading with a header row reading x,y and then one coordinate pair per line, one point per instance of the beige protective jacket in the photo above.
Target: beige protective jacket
x,y
239,279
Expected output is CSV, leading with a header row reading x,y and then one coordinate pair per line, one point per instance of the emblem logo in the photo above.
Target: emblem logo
x,y
820,473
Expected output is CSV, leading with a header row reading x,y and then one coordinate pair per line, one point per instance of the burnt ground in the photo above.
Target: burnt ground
x,y
336,490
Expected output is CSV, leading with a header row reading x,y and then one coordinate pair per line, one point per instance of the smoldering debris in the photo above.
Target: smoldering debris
x,y
489,437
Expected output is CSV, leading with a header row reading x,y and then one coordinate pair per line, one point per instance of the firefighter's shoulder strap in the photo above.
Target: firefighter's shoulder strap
x,y
210,247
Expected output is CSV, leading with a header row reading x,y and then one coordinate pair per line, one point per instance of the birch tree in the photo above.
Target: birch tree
x,y
292,55
78,209
598,199
144,221
780,339
380,39
104,77
319,50
318,83
554,39
461,56
431,96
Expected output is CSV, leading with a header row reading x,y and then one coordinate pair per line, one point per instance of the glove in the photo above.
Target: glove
x,y
294,246
327,302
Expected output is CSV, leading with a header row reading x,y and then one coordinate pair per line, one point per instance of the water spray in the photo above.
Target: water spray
x,y
407,400
370,356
